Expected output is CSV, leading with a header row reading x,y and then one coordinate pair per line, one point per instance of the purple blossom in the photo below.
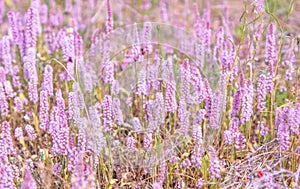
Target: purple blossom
x,y
261,93
117,115
31,29
259,6
162,173
9,91
18,104
271,52
43,110
107,112
47,83
7,139
186,163
6,177
18,132
109,20
196,156
247,101
148,141
170,100
3,101
2,74
13,26
30,132
142,84
236,103
214,163
109,72
263,130
130,143
6,54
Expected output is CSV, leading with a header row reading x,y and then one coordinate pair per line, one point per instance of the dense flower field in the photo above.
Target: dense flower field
x,y
149,94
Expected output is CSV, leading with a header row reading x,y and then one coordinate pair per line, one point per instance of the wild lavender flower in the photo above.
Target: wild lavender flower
x,y
13,26
109,72
147,37
162,173
142,83
183,116
214,118
170,100
16,81
236,103
107,113
117,115
7,139
198,117
196,157
2,73
43,110
214,163
159,113
94,116
258,6
6,54
261,93
28,180
282,124
18,132
148,141
200,183
44,13
271,52
60,103
6,177
9,91
130,143
47,83
56,169
263,130
30,132
197,133
31,29
109,19
3,101
208,99
78,43
247,101
186,163
31,72
185,74
2,10
233,136
115,87
63,132
136,124
163,10
71,104
219,42
290,71
18,104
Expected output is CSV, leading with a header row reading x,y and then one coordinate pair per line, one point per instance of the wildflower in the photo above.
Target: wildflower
x,y
247,101
107,113
214,163
271,53
44,116
18,132
30,132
